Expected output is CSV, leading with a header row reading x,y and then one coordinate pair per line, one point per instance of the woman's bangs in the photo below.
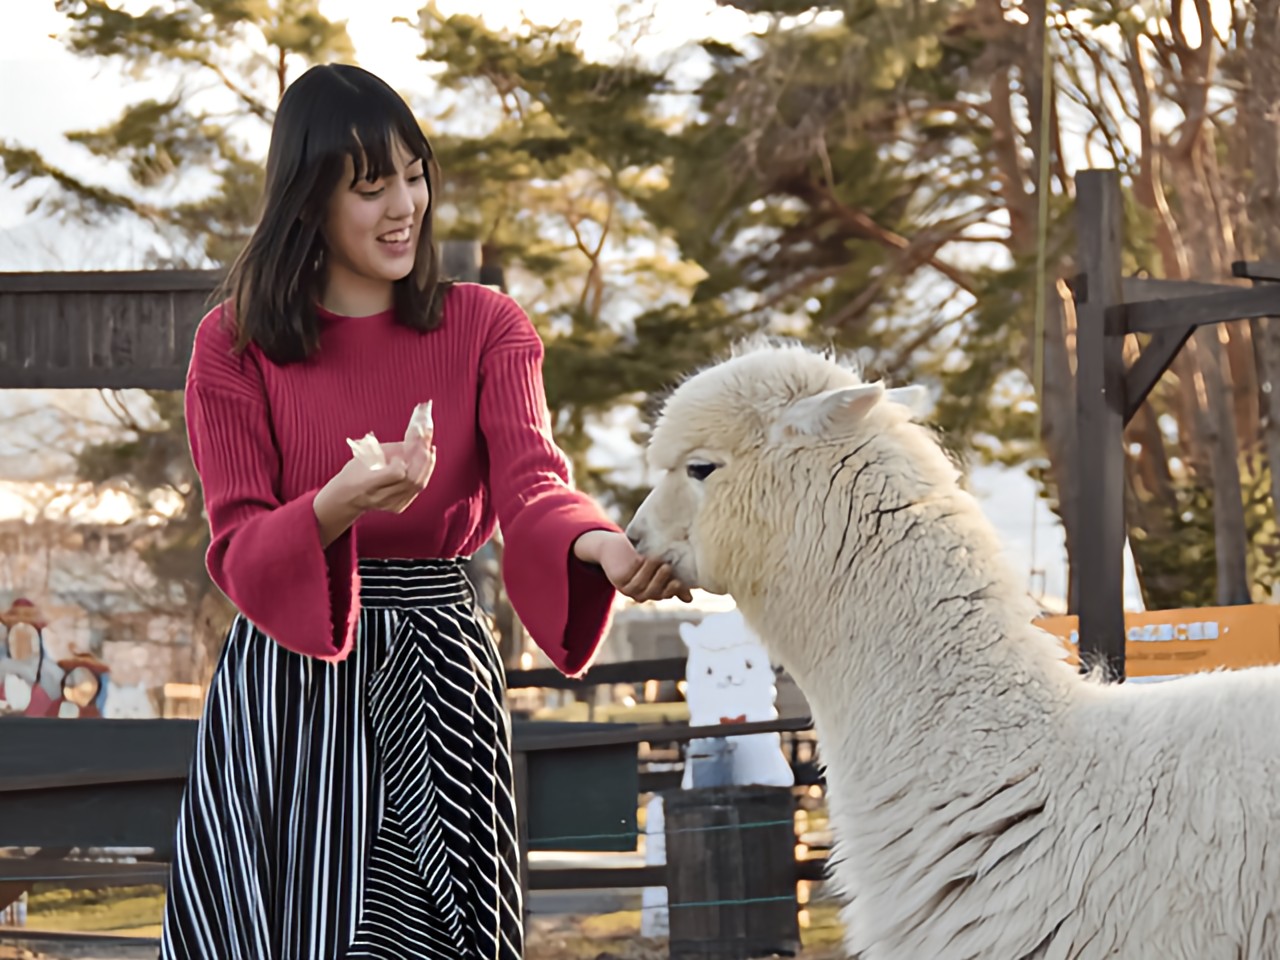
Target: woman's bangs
x,y
372,145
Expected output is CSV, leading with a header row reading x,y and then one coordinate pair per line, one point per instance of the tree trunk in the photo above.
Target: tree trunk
x,y
1058,425
1022,45
1150,502
1207,240
1262,124
1231,539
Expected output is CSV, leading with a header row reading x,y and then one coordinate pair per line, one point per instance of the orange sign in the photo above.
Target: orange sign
x,y
1163,643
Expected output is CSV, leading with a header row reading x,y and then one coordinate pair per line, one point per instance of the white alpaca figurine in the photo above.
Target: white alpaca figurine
x,y
729,680
988,802
128,703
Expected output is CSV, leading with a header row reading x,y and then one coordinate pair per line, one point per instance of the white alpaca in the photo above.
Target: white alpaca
x,y
986,800
128,703
729,680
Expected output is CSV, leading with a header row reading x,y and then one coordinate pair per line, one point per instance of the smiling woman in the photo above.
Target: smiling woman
x,y
351,791
348,173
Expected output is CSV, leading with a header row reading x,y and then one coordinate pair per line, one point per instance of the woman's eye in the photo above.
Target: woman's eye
x,y
700,471
370,194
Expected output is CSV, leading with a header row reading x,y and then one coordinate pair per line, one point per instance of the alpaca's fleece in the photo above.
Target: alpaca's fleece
x,y
987,801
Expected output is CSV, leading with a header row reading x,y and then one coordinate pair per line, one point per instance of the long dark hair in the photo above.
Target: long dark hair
x,y
329,113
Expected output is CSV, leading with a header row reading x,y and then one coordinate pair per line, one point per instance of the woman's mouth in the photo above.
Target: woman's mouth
x,y
399,241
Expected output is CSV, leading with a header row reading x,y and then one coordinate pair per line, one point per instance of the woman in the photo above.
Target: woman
x,y
350,794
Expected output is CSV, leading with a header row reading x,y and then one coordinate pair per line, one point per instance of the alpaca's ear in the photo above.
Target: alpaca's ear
x,y
914,398
815,416
688,633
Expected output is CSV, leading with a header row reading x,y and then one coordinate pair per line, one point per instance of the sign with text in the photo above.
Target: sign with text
x,y
1165,642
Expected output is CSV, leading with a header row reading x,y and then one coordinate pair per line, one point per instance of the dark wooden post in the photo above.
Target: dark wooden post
x,y
461,260
1100,409
731,876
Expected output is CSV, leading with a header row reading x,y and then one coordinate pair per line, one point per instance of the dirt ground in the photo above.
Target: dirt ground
x,y
617,937
134,912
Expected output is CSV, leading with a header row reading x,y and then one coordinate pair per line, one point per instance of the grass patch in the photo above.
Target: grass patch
x,y
132,911
824,929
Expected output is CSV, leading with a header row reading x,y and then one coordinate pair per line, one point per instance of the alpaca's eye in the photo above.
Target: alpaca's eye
x,y
748,664
700,471
708,671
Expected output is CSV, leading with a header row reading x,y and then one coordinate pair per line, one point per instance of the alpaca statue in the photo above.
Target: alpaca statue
x,y
128,702
987,801
729,680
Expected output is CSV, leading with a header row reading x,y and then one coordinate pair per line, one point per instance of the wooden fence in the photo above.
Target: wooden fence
x,y
78,784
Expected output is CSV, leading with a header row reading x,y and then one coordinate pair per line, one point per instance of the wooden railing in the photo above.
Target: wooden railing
x,y
68,784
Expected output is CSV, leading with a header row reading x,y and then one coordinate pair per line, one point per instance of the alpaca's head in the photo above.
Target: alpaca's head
x,y
744,451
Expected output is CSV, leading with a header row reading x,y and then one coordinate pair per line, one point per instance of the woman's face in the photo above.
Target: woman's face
x,y
372,229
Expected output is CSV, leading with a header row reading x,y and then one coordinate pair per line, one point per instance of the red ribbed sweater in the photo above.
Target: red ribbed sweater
x,y
265,439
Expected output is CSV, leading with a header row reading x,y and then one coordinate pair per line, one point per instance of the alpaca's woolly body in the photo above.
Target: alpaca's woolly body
x,y
987,801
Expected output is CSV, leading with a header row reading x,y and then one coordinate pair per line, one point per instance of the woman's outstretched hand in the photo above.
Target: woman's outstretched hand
x,y
634,576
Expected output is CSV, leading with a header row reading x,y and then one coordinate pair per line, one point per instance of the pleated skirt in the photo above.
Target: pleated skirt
x,y
360,810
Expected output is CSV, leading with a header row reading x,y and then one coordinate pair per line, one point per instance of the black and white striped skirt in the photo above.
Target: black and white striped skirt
x,y
354,810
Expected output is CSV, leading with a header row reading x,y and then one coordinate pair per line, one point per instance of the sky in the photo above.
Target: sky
x,y
60,92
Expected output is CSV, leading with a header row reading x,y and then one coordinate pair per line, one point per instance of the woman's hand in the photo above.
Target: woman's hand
x,y
356,489
634,576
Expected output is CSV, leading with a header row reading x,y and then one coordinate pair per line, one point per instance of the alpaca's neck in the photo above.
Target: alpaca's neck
x,y
907,632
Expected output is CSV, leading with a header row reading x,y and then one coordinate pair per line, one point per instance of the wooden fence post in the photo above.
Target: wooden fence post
x,y
731,876
1100,409
461,260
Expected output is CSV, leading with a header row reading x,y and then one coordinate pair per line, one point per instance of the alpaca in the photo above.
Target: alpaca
x,y
128,702
729,680
987,801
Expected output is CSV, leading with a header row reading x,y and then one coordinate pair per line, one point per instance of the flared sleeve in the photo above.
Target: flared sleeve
x,y
265,554
564,603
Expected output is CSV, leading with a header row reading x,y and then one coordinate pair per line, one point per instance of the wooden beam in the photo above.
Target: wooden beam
x,y
111,281
658,733
1158,353
631,671
1100,408
1152,362
80,873
111,815
1256,270
622,878
38,753
1157,288
176,768
1153,316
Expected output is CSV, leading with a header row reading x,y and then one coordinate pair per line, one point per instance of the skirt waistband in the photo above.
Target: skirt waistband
x,y
406,584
